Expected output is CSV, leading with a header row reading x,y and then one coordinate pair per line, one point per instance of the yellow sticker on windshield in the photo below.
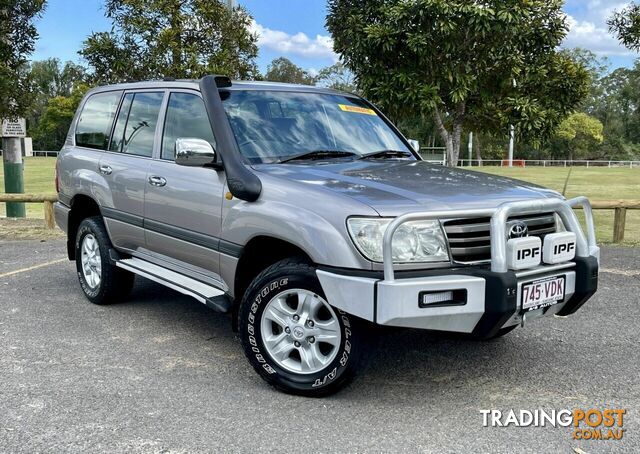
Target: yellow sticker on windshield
x,y
355,109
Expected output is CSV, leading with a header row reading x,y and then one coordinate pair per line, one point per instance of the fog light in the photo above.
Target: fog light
x,y
442,298
433,298
523,253
559,248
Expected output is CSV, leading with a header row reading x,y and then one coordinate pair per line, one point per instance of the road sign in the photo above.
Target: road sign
x,y
14,128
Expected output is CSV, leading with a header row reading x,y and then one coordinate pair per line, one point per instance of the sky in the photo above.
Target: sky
x,y
296,29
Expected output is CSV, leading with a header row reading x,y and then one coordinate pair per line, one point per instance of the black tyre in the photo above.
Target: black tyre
x,y
293,338
100,280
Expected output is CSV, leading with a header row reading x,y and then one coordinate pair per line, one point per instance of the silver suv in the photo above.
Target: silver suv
x,y
306,215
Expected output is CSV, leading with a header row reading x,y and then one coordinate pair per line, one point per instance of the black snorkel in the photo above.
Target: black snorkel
x,y
242,182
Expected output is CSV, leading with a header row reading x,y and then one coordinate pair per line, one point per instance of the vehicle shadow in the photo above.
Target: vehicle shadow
x,y
421,363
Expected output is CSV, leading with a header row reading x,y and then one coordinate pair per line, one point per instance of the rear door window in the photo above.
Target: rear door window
x,y
140,130
135,128
95,121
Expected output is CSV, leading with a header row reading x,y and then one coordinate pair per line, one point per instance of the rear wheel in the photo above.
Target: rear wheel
x,y
294,338
101,281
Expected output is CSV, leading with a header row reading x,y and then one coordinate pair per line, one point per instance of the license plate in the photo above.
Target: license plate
x,y
542,293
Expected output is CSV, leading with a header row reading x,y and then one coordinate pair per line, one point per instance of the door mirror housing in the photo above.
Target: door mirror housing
x,y
193,152
414,144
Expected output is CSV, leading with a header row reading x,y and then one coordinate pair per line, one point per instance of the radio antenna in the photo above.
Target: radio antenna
x,y
566,182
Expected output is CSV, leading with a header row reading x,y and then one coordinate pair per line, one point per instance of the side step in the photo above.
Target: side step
x,y
213,297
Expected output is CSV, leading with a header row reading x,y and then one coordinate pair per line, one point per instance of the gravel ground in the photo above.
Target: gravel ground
x,y
162,373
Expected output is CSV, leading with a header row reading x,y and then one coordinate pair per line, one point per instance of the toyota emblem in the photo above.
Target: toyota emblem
x,y
518,229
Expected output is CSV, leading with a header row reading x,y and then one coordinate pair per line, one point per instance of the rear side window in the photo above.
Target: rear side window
x,y
96,118
186,118
136,126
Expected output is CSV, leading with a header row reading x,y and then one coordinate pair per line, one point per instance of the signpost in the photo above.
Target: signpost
x,y
12,131
14,128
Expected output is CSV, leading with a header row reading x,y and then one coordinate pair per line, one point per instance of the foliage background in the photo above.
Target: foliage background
x,y
182,38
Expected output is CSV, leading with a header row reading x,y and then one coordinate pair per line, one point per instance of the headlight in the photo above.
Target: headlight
x,y
413,242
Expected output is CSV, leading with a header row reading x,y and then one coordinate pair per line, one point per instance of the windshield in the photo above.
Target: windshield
x,y
273,126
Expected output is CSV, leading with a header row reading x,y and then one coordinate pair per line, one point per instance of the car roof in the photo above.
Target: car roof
x,y
194,84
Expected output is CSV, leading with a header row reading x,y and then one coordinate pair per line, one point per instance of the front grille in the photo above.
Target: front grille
x,y
470,239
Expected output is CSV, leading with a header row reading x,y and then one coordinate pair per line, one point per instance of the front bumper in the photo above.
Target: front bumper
x,y
493,299
492,294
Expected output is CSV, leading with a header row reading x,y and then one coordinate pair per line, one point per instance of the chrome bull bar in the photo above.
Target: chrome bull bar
x,y
585,246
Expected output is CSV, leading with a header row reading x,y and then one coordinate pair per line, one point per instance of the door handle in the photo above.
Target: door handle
x,y
106,170
157,181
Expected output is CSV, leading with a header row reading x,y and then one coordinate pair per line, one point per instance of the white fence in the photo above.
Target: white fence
x,y
45,153
534,162
550,163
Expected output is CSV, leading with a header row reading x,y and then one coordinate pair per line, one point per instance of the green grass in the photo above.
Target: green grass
x,y
595,183
39,178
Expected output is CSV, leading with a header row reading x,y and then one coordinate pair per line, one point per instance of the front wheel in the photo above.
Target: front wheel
x,y
294,338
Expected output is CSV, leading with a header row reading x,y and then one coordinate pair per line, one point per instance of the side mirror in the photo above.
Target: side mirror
x,y
192,152
414,144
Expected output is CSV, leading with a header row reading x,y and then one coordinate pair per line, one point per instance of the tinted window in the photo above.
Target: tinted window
x,y
118,132
96,118
140,128
186,118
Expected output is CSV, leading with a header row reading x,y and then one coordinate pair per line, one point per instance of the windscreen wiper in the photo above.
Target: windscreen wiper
x,y
319,154
386,154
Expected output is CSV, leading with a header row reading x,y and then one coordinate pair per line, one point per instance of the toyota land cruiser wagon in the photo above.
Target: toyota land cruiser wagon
x,y
309,218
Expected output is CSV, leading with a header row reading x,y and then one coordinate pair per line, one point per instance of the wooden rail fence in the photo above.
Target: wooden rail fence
x,y
619,207
46,199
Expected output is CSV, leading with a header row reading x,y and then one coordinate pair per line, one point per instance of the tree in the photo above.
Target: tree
x,y
51,131
580,133
284,70
153,39
457,60
49,79
338,77
625,25
597,68
17,38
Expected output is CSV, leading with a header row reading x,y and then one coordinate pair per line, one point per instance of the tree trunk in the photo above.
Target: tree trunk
x,y
478,146
452,140
444,134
